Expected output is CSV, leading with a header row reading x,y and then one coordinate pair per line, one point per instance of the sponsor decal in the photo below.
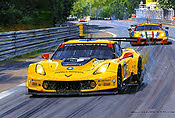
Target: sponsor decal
x,y
125,71
106,84
105,80
69,72
68,75
70,68
34,84
124,63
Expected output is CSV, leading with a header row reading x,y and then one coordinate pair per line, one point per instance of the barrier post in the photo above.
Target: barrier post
x,y
81,30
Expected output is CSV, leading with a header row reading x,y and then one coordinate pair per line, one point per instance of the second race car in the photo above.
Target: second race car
x,y
84,19
149,33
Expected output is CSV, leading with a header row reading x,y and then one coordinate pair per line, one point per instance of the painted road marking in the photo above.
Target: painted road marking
x,y
171,39
5,94
114,35
11,91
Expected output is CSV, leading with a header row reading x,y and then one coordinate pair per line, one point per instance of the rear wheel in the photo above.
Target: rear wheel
x,y
139,71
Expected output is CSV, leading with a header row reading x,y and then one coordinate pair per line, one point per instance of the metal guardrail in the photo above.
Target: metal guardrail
x,y
92,18
20,42
160,21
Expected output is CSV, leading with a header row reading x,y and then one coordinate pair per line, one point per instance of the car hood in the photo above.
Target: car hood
x,y
70,68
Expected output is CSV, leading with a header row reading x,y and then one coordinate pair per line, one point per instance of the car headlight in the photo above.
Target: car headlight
x,y
162,34
102,69
40,70
137,34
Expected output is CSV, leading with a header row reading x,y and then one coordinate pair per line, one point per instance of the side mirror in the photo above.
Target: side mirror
x,y
115,55
126,55
129,29
45,56
167,28
133,25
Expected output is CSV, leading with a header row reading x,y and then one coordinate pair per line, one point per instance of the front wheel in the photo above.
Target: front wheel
x,y
121,87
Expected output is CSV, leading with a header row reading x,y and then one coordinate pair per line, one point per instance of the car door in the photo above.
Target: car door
x,y
125,63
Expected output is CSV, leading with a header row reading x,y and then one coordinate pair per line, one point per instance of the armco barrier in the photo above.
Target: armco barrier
x,y
21,42
160,21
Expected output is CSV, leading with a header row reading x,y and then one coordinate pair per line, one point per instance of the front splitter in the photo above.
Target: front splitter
x,y
69,94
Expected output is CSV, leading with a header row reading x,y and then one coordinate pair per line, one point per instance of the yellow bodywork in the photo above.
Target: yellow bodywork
x,y
156,34
54,71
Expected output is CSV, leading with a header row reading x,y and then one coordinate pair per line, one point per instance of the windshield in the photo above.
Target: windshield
x,y
86,50
148,27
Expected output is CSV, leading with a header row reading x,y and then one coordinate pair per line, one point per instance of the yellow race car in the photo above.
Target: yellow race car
x,y
149,33
107,18
83,66
84,19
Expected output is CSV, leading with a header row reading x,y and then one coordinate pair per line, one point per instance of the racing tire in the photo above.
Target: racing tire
x,y
120,85
33,95
139,72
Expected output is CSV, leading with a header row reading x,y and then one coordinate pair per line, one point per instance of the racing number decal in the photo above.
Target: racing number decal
x,y
125,71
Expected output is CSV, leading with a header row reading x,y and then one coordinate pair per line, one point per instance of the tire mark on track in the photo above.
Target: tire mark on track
x,y
10,102
82,109
16,108
165,93
52,114
36,109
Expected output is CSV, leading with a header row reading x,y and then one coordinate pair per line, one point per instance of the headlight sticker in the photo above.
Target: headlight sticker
x,y
102,68
40,69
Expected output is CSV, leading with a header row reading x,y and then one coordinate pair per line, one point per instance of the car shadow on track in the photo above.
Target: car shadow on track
x,y
136,89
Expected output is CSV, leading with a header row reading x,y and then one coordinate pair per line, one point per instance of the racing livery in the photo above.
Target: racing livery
x,y
84,66
150,33
84,19
108,18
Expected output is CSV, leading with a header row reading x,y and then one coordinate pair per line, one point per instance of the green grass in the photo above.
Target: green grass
x,y
25,56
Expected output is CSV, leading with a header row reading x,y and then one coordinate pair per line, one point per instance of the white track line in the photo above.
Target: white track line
x,y
114,35
5,94
11,91
171,39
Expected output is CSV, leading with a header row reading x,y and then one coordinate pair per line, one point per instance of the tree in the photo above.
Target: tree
x,y
167,4
116,8
34,12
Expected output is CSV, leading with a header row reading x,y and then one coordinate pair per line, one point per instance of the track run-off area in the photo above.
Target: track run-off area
x,y
155,99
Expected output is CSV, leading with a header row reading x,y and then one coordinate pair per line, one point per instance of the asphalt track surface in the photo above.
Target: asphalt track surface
x,y
155,99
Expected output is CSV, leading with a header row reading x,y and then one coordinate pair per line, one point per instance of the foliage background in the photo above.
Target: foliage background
x,y
29,14
105,8
117,9
167,3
